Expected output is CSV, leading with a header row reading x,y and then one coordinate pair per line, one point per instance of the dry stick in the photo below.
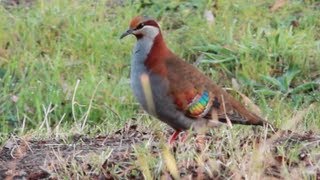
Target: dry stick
x,y
56,129
46,119
247,101
170,162
17,146
85,117
47,111
59,159
73,100
27,144
23,124
277,133
142,161
112,110
225,113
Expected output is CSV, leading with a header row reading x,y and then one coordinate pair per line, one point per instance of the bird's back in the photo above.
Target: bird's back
x,y
184,78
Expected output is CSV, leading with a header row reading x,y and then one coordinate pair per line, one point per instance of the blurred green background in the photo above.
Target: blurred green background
x,y
62,63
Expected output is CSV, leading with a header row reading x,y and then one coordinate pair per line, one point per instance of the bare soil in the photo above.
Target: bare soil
x,y
22,158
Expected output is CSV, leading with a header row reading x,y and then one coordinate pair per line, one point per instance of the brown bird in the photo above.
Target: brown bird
x,y
181,95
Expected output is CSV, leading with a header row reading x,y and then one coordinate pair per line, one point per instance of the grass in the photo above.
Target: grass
x,y
63,69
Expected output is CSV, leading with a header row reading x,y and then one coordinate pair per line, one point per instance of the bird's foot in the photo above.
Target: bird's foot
x,y
174,137
184,136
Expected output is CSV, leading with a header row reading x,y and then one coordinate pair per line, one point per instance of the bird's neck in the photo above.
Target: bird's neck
x,y
157,56
151,52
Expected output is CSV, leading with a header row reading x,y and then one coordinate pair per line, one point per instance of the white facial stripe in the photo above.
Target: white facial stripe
x,y
148,31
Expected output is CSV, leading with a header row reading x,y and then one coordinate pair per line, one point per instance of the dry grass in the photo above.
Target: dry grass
x,y
137,152
64,80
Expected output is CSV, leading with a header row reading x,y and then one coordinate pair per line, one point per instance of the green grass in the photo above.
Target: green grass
x,y
46,47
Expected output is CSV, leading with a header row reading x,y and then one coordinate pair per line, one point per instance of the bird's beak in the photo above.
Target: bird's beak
x,y
128,32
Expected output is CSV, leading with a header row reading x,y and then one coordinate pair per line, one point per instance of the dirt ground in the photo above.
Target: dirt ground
x,y
22,158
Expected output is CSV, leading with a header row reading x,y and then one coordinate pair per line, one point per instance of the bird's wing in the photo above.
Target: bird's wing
x,y
198,96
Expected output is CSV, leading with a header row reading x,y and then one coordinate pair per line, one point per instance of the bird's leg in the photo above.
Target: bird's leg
x,y
184,136
174,137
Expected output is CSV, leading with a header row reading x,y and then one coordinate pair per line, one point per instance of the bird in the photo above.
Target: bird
x,y
182,96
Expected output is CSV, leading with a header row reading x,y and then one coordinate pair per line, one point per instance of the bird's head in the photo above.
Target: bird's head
x,y
142,26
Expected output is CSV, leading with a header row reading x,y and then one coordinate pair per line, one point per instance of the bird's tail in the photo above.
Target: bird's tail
x,y
242,115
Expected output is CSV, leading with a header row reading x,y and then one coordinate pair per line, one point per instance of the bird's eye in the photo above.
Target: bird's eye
x,y
140,26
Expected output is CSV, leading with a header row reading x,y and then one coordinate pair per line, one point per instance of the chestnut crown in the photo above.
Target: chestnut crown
x,y
141,26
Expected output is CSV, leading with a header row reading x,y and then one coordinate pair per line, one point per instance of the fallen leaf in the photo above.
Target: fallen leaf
x,y
209,16
14,98
9,144
235,84
277,5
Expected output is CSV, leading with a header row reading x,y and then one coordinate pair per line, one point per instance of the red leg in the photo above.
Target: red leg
x,y
174,136
184,136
